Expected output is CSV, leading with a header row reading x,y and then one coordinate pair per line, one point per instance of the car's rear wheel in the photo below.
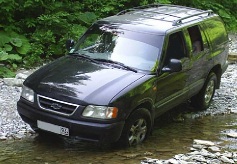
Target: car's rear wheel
x,y
203,99
136,128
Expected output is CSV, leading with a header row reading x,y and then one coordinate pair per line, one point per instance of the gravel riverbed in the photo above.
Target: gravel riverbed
x,y
225,102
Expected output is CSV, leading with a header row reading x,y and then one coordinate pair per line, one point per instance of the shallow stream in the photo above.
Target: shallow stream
x,y
169,138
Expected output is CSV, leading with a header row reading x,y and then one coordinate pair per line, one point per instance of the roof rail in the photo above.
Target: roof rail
x,y
137,8
176,22
179,21
151,5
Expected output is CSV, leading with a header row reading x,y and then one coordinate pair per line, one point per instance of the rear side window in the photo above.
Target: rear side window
x,y
216,31
196,39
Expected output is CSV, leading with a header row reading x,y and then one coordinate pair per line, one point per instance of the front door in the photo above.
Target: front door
x,y
171,87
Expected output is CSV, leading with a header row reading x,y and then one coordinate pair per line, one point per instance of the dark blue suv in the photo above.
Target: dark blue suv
x,y
127,70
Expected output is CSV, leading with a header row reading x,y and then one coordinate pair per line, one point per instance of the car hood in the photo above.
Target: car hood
x,y
78,80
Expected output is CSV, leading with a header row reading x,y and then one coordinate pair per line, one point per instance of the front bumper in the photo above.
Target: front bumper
x,y
99,132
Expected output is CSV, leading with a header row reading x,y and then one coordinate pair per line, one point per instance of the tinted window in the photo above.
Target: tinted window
x,y
176,48
196,39
216,31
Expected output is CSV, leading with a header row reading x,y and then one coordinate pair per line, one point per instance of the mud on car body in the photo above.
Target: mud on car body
x,y
125,71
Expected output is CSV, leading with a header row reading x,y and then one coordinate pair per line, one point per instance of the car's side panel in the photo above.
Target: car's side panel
x,y
170,92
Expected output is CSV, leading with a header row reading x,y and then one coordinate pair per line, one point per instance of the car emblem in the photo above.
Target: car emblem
x,y
56,106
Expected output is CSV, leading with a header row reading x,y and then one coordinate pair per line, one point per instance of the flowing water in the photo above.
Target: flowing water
x,y
169,138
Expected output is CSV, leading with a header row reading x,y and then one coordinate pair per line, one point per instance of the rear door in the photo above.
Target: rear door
x,y
200,59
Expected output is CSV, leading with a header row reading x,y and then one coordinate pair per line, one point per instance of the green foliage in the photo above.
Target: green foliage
x,y
5,72
12,48
35,31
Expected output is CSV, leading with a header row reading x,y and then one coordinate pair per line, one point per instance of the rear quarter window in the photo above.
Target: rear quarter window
x,y
216,31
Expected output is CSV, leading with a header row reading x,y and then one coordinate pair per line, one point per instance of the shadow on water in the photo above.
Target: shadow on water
x,y
172,135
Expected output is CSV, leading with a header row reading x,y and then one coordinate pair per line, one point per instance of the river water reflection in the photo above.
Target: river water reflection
x,y
169,138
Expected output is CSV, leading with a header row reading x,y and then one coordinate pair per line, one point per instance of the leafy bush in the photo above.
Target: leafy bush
x,y
12,48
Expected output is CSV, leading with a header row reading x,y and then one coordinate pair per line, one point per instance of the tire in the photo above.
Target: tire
x,y
136,129
203,99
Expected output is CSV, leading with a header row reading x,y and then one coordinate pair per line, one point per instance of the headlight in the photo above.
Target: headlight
x,y
101,112
27,94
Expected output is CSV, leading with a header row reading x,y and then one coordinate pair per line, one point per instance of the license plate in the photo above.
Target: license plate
x,y
53,128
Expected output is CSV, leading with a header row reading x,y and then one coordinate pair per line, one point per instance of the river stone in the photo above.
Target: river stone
x,y
184,158
226,160
150,160
233,135
228,154
203,142
21,76
198,158
13,81
234,111
173,161
3,137
214,161
214,148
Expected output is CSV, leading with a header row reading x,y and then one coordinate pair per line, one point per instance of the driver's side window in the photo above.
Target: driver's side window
x,y
176,48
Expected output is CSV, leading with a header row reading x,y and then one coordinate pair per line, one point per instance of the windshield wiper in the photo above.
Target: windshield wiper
x,y
121,65
77,54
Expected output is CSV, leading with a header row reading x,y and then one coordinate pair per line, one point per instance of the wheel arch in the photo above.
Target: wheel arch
x,y
145,104
217,70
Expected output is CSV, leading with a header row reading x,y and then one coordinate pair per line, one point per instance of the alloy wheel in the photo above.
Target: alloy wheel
x,y
138,131
209,91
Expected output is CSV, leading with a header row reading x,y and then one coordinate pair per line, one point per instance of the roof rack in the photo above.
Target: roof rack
x,y
137,8
149,6
179,21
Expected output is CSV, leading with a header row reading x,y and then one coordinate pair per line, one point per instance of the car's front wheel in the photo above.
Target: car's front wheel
x,y
203,99
136,128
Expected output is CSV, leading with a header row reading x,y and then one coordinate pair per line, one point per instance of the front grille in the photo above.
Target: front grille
x,y
56,106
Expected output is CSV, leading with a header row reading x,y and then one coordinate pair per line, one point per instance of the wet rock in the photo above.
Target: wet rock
x,y
234,111
214,161
173,161
3,138
226,159
214,148
233,135
199,156
18,136
203,142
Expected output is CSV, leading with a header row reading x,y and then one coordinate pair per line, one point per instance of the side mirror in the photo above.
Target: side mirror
x,y
174,65
69,44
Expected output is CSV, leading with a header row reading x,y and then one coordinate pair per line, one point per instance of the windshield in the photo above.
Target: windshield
x,y
133,49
